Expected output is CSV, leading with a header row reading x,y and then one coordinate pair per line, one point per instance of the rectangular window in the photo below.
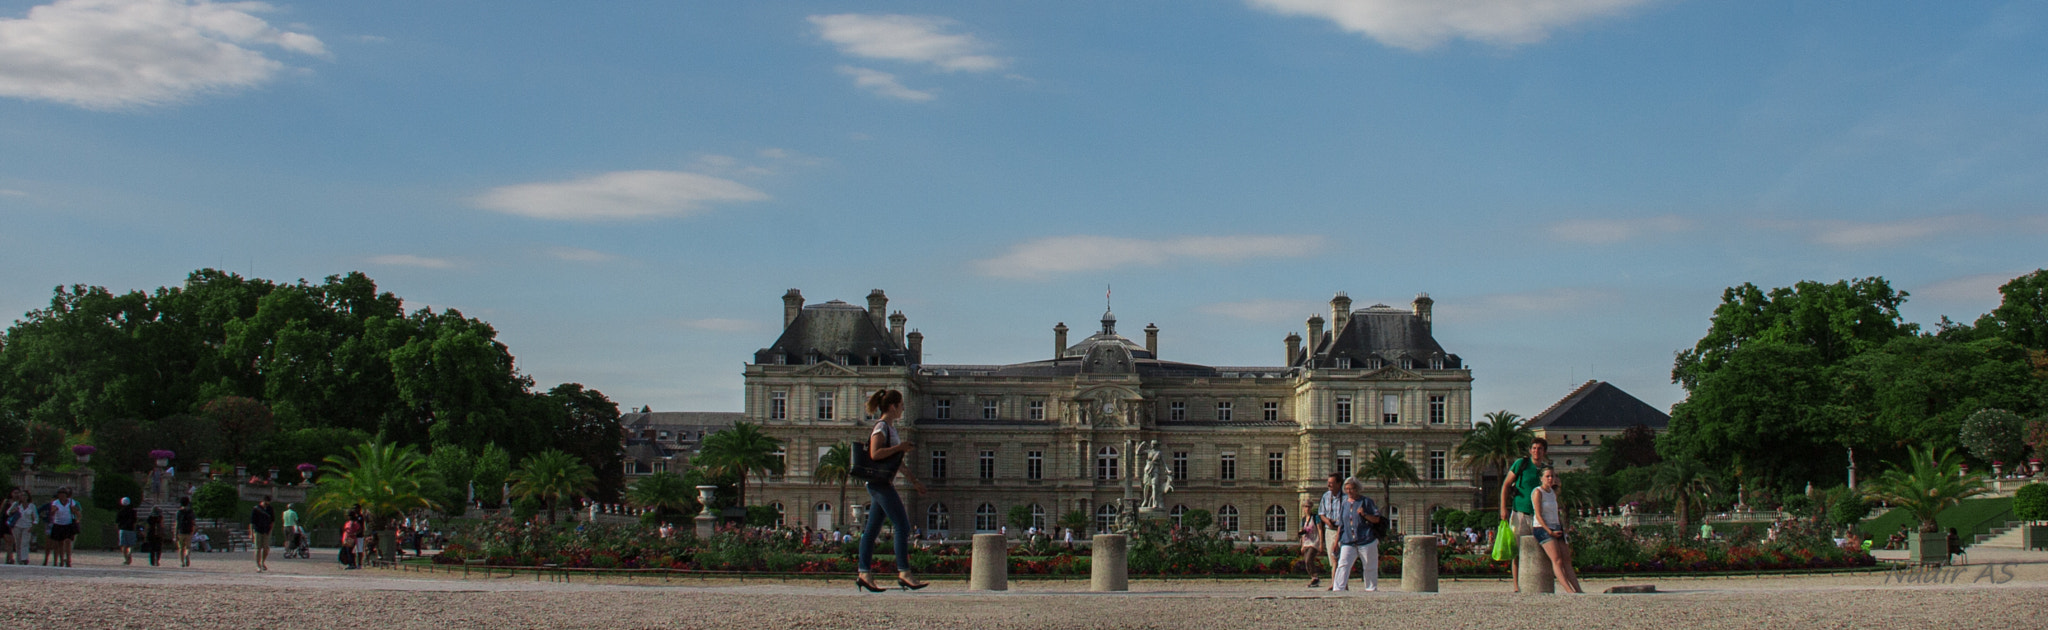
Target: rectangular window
x,y
1343,410
1343,363
1390,409
1177,411
778,406
938,464
943,408
1437,461
1180,465
1034,465
988,408
1276,467
781,458
988,464
1227,469
1344,464
1272,412
825,405
1038,410
1223,412
1437,411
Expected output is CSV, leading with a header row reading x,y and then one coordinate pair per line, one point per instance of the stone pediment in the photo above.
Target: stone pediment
x,y
1396,374
826,368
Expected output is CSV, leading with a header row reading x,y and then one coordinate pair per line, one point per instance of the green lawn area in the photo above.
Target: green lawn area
x,y
1972,517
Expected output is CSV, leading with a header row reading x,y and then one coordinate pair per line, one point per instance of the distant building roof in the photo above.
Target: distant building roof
x,y
1600,405
637,420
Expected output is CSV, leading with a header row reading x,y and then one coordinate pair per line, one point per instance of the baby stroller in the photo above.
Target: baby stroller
x,y
296,545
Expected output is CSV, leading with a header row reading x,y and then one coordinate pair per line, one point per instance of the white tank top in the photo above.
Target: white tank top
x,y
1550,509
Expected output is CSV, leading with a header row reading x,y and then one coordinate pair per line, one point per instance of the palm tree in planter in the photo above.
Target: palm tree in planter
x,y
836,467
1686,483
386,480
740,451
1930,482
664,492
1388,465
551,476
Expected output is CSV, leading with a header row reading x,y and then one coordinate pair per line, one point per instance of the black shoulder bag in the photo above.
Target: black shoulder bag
x,y
872,470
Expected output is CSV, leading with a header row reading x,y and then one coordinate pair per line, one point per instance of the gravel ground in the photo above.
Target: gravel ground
x,y
223,591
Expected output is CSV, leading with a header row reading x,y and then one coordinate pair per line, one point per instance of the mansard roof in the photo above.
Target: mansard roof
x,y
1599,405
832,329
1070,366
1383,332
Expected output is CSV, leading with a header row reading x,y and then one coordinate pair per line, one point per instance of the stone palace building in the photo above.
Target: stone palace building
x,y
1248,444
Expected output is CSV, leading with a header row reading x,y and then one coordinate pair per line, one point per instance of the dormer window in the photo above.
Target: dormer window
x,y
846,359
1436,363
782,359
1343,363
811,359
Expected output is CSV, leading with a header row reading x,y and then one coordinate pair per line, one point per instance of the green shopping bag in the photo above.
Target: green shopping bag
x,y
1503,542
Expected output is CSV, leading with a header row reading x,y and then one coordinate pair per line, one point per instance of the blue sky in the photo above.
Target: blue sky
x,y
626,189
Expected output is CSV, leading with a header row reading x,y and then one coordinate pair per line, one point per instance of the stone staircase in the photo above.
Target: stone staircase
x,y
2006,537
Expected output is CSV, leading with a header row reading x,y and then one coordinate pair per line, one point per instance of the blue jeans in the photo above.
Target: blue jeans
x,y
885,499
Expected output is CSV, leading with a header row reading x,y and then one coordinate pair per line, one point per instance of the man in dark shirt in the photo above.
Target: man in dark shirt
x,y
259,530
124,520
187,523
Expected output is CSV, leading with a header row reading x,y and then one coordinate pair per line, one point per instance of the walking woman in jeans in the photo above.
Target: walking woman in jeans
x,y
884,443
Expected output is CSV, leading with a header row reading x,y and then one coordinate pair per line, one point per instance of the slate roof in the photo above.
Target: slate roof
x,y
635,421
1071,366
832,329
1599,405
1390,334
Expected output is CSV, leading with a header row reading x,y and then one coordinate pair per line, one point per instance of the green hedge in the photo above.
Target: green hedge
x,y
1972,517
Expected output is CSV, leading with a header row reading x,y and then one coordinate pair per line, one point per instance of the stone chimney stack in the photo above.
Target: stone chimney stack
x,y
1152,339
896,323
1423,306
1059,340
1340,313
916,348
1293,348
792,305
1315,332
878,307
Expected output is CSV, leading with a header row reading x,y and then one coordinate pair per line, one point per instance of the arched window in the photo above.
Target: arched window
x,y
985,518
821,515
935,518
778,512
1106,464
1038,517
1226,519
1177,512
1276,520
1105,518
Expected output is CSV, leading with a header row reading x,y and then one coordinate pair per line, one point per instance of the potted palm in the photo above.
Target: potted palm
x,y
1931,481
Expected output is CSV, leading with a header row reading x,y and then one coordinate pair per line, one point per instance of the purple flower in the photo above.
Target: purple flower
x,y
83,450
161,454
306,468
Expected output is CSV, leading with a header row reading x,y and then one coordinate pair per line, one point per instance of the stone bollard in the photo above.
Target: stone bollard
x,y
991,568
1418,564
1109,565
1535,565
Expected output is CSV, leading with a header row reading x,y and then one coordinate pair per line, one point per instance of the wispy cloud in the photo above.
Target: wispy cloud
x,y
619,195
1607,231
409,260
1523,304
911,38
9,192
1977,288
1424,24
1067,254
578,254
1858,235
716,324
884,84
1264,310
113,54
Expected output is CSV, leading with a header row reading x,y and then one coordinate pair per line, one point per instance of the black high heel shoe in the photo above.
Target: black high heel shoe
x,y
866,585
910,587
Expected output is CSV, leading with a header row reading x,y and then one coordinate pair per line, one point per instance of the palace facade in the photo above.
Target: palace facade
x,y
1248,444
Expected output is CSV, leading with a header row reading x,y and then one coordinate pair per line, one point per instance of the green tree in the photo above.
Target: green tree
x,y
2030,503
2022,316
1930,482
1995,436
491,474
586,424
740,450
1636,446
836,467
551,476
1686,483
216,499
665,493
1493,444
1919,390
1387,466
457,468
1075,521
385,480
1020,518
243,424
1849,508
1195,520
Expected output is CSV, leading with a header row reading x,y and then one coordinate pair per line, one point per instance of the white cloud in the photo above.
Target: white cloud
x,y
1522,304
1066,254
716,324
884,84
9,192
1605,231
912,38
1265,310
619,195
409,260
1423,24
1979,288
578,254
112,54
1855,235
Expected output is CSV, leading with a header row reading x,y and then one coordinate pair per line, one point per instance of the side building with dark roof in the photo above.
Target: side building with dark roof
x,y
1593,411
1247,444
658,441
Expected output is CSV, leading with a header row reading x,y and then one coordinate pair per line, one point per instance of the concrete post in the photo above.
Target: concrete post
x,y
1418,564
1109,566
1536,577
991,567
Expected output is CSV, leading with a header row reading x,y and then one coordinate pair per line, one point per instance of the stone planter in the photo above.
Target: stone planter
x,y
1927,548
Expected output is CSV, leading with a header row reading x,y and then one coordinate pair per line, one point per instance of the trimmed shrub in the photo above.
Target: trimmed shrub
x,y
2030,503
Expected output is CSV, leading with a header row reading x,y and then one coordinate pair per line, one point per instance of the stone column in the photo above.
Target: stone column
x,y
1536,577
1109,566
991,567
1418,564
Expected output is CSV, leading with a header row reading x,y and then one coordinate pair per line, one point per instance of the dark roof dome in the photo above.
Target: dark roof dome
x,y
1081,349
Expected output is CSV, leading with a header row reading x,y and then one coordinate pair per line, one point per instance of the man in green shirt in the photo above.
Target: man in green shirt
x,y
1523,476
292,533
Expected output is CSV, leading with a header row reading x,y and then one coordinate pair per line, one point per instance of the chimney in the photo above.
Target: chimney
x,y
1315,333
916,348
1423,306
1152,339
792,305
878,307
1293,348
1059,340
896,322
1340,313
